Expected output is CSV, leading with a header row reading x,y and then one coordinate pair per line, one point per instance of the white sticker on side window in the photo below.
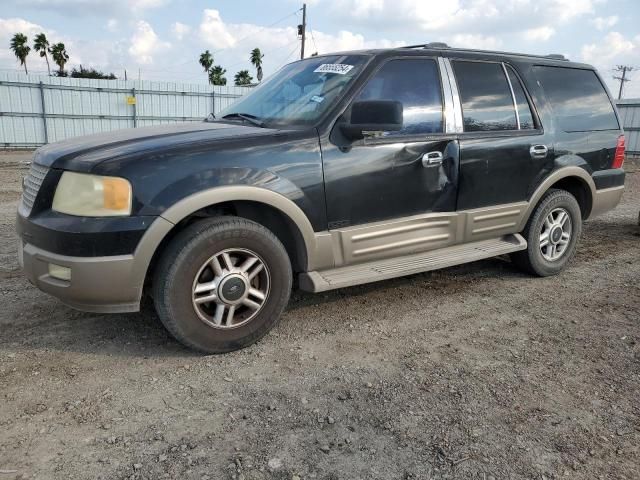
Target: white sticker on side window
x,y
339,68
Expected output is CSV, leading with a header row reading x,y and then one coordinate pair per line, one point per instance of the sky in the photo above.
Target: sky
x,y
162,39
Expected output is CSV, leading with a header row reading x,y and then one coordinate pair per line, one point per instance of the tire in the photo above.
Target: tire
x,y
539,260
187,266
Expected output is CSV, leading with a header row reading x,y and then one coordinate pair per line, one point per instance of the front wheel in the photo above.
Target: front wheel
x,y
222,284
552,234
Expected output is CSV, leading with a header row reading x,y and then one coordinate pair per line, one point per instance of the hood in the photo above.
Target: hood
x,y
83,153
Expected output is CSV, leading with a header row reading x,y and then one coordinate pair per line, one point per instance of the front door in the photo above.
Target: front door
x,y
394,175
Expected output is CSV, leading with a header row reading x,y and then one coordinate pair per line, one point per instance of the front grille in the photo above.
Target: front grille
x,y
31,185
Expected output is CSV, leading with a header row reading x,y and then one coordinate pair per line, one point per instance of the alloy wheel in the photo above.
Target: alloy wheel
x,y
555,234
230,288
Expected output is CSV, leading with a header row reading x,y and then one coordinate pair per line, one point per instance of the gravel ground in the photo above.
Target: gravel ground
x,y
477,372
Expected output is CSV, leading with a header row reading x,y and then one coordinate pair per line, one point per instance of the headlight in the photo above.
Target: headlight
x,y
92,195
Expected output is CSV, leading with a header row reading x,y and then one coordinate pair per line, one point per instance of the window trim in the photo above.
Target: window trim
x,y
454,121
513,96
537,123
408,138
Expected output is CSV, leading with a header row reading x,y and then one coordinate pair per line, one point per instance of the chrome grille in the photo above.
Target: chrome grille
x,y
31,185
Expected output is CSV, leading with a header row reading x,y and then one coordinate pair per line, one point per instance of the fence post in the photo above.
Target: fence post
x,y
213,101
44,114
135,106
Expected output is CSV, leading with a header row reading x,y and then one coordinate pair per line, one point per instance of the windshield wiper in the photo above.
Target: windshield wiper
x,y
248,117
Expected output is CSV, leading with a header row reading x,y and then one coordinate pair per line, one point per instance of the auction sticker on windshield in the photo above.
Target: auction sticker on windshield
x,y
339,68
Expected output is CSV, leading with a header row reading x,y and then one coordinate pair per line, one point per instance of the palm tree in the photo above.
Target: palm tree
x,y
256,61
41,44
21,49
206,60
60,57
216,76
243,78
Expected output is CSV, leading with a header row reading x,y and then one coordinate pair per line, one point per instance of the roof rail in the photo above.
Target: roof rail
x,y
556,56
436,45
441,45
428,45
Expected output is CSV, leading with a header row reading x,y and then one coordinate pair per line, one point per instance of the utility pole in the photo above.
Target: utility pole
x,y
623,78
302,29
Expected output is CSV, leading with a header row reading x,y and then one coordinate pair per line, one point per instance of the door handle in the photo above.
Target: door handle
x,y
432,158
538,151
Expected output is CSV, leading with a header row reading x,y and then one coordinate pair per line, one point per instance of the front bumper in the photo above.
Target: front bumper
x,y
97,284
103,284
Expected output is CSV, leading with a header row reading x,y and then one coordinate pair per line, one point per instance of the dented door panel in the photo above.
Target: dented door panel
x,y
375,180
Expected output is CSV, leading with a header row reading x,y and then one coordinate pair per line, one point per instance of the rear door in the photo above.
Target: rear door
x,y
503,147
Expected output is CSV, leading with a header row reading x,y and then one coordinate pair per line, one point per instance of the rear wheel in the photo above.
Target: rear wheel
x,y
552,234
222,284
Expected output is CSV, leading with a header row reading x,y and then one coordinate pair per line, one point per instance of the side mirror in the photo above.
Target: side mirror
x,y
373,116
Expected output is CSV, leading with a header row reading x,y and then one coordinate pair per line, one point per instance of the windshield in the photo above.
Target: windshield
x,y
301,92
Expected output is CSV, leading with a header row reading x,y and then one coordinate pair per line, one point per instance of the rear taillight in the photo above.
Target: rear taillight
x,y
618,158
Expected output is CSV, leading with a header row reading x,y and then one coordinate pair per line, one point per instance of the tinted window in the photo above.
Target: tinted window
x,y
486,97
414,83
578,99
524,109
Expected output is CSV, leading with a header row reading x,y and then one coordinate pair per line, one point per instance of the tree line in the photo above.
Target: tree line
x,y
216,74
20,47
58,53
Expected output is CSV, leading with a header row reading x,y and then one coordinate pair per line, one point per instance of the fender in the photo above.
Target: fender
x,y
547,183
161,227
200,200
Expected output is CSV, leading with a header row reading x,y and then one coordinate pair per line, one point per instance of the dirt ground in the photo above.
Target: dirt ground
x,y
474,372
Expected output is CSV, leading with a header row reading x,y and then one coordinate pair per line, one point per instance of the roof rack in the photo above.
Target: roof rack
x,y
556,56
428,45
442,46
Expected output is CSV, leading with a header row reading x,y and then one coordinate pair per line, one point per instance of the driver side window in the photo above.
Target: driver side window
x,y
416,84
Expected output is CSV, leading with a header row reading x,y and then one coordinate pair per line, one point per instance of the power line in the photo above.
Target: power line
x,y
267,52
255,33
314,42
176,68
291,53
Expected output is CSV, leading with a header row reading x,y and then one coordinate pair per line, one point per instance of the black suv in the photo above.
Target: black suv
x,y
339,170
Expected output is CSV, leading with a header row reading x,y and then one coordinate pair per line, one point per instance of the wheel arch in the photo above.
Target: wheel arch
x,y
269,208
575,180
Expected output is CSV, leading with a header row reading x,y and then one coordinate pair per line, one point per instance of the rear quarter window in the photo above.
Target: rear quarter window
x,y
577,98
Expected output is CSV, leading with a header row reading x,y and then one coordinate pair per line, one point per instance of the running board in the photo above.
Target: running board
x,y
409,264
